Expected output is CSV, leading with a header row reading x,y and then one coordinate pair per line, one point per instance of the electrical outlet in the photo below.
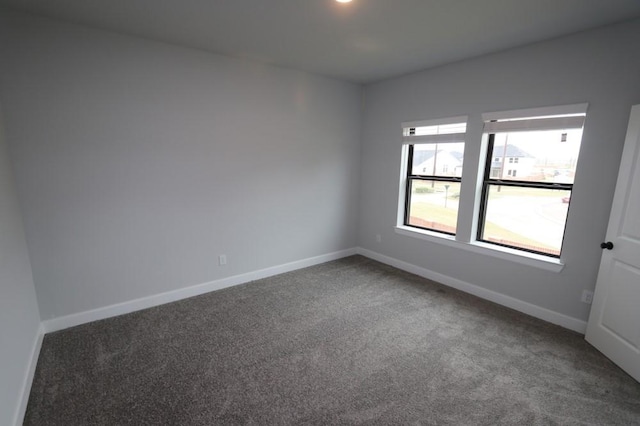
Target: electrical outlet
x,y
222,259
587,296
379,238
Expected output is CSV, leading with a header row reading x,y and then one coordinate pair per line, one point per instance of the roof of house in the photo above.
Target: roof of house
x,y
420,157
512,151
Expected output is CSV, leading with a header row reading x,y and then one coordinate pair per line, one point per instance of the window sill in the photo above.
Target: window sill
x,y
530,259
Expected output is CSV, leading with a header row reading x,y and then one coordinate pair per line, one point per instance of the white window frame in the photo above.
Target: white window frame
x,y
471,188
409,140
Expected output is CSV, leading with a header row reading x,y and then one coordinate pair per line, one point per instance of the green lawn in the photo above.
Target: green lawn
x,y
448,217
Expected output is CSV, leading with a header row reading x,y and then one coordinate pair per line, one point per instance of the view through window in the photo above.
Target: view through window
x,y
434,173
527,188
524,188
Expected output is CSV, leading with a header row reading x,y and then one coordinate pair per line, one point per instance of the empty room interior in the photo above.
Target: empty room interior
x,y
319,212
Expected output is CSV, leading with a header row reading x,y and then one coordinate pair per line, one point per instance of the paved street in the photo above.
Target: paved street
x,y
538,218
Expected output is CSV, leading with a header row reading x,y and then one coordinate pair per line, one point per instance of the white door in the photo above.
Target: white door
x,y
614,322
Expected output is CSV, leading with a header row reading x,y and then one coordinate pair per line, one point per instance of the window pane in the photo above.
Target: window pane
x,y
434,205
434,159
541,156
528,218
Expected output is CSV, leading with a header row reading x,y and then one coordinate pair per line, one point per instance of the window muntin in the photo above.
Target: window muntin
x,y
525,202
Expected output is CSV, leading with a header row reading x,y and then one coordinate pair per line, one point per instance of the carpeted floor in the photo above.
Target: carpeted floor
x,y
347,342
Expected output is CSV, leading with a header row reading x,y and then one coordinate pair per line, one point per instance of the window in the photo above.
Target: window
x,y
525,209
517,205
434,152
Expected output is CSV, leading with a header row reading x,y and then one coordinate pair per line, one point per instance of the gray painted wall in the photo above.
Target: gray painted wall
x,y
19,317
601,67
138,163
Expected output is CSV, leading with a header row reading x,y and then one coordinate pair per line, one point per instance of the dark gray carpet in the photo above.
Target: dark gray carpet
x,y
347,342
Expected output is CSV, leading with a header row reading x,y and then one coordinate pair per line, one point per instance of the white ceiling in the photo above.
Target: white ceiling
x,y
363,41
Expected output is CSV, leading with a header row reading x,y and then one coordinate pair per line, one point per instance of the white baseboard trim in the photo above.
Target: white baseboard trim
x,y
18,417
499,298
73,320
